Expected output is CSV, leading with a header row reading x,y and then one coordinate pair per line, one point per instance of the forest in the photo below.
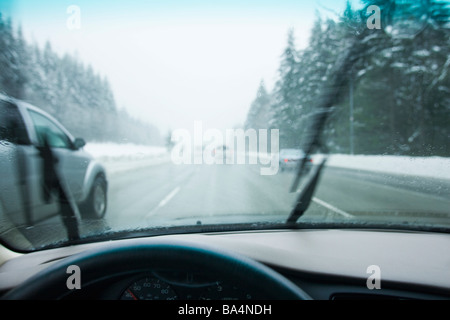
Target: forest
x,y
81,99
397,97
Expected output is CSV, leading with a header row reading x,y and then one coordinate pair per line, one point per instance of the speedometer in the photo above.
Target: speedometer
x,y
149,288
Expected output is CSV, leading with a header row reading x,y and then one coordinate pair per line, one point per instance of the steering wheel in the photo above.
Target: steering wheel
x,y
142,255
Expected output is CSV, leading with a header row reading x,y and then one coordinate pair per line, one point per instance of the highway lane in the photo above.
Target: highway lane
x,y
155,195
379,196
174,192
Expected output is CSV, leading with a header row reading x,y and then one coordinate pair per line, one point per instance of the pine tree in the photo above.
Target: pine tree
x,y
259,114
285,107
12,78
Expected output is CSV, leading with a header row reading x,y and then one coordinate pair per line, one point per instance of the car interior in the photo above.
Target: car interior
x,y
267,264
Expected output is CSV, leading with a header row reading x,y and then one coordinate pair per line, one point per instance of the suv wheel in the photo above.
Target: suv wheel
x,y
95,205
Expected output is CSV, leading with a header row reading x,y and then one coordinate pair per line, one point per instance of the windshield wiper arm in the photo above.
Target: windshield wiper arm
x,y
333,94
306,195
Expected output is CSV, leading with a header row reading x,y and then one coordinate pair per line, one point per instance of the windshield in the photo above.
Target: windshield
x,y
130,118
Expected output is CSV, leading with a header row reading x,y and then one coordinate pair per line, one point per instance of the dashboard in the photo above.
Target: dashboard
x,y
324,264
166,285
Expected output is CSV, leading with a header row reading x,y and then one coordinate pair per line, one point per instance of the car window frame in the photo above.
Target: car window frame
x,y
26,109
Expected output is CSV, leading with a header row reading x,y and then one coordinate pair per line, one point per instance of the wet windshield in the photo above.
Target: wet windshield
x,y
137,118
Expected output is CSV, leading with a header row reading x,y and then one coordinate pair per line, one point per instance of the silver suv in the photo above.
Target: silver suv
x,y
25,197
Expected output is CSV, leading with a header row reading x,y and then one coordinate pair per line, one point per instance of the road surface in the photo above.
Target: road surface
x,y
169,192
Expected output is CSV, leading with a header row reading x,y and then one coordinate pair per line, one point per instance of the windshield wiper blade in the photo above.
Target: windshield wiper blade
x,y
312,142
53,183
306,195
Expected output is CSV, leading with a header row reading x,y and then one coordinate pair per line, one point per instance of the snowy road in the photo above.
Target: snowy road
x,y
167,192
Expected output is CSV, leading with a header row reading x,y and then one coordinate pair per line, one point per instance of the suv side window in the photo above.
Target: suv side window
x,y
12,126
44,126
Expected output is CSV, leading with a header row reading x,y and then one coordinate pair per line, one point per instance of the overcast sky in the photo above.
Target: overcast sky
x,y
173,62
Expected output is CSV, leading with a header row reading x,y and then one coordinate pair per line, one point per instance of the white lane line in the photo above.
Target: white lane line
x,y
164,201
168,197
332,208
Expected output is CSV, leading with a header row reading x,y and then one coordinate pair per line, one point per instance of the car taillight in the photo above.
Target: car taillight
x,y
286,160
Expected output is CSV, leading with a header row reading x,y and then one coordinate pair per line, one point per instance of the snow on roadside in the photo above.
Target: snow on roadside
x,y
434,167
114,150
121,157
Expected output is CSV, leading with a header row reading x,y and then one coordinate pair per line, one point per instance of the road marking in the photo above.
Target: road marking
x,y
164,201
332,208
168,197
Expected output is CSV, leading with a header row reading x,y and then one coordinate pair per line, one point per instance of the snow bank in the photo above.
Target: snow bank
x,y
121,157
435,167
115,150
